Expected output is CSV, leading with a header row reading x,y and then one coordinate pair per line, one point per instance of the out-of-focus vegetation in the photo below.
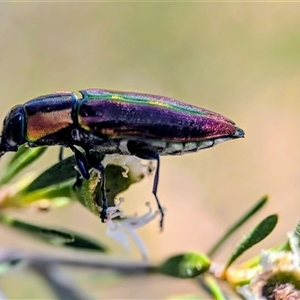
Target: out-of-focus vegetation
x,y
55,187
238,59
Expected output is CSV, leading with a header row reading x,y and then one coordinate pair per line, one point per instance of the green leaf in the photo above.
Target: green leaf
x,y
88,192
187,265
63,190
116,182
297,230
261,203
81,241
21,151
209,283
60,172
57,237
20,162
260,232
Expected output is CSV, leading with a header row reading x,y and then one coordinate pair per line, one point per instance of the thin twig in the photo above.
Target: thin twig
x,y
127,267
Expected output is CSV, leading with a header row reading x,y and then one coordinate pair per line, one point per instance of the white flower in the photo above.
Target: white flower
x,y
121,229
137,169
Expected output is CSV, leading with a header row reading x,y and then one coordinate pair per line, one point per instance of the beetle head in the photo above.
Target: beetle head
x,y
13,130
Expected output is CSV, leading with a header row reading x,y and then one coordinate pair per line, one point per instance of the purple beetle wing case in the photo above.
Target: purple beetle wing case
x,y
106,120
122,114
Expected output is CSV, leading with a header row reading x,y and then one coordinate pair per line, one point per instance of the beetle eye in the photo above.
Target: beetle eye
x,y
13,133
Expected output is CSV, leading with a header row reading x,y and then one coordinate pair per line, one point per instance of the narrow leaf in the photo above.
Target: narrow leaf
x,y
210,285
81,241
63,190
60,172
297,230
187,265
22,161
237,225
21,151
54,236
260,232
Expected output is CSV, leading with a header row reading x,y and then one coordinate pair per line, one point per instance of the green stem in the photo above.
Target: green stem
x,y
237,225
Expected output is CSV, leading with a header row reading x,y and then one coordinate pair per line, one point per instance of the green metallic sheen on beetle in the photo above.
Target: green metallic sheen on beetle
x,y
108,122
107,118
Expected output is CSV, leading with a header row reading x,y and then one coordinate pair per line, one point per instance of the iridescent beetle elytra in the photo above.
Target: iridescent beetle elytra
x,y
108,122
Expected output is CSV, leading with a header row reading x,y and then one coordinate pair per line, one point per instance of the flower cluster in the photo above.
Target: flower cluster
x,y
279,275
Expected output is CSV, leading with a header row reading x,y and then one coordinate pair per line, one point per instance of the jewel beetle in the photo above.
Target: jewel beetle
x,y
106,121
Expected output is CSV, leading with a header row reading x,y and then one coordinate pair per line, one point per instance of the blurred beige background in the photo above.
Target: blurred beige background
x,y
239,59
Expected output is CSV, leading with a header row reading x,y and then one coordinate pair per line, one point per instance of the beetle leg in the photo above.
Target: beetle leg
x,y
148,154
96,164
78,180
81,163
61,153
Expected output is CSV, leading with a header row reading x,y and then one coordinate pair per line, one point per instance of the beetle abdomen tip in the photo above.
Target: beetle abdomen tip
x,y
239,133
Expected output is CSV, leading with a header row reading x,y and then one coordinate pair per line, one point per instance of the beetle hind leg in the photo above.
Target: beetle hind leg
x,y
149,154
145,154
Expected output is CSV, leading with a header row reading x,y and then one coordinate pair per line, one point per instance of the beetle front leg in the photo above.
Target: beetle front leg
x,y
96,164
82,165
